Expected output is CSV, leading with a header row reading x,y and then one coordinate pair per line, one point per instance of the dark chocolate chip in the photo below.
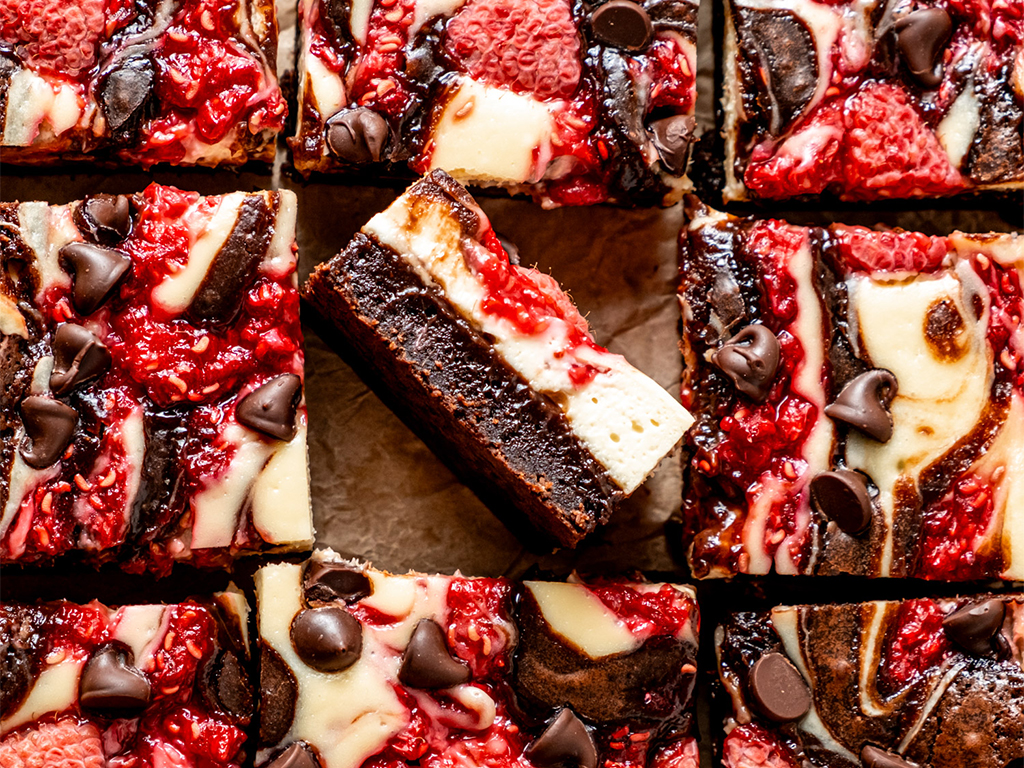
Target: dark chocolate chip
x,y
780,692
622,24
15,676
671,137
864,403
77,357
427,662
921,37
328,639
973,626
328,582
125,90
104,219
565,743
97,272
842,496
271,407
295,756
873,757
750,359
110,685
226,686
357,136
278,693
49,427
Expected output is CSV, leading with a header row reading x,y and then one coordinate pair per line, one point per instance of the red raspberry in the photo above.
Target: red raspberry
x,y
916,642
892,251
529,45
65,743
60,36
953,529
751,746
680,754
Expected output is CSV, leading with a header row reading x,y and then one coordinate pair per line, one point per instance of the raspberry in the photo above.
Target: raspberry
x,y
529,45
681,754
892,251
751,746
64,743
60,36
646,614
916,643
476,632
952,529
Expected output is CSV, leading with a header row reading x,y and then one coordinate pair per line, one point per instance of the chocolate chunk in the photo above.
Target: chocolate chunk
x,y
873,757
921,37
864,403
427,662
622,24
271,407
780,692
104,219
357,136
110,685
328,639
226,686
671,137
842,496
278,693
328,582
997,153
973,626
782,58
49,427
295,756
125,90
15,676
77,357
97,272
750,359
565,743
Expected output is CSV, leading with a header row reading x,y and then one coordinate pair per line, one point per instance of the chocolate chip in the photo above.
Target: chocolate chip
x,y
864,403
622,24
921,37
97,272
297,755
565,743
110,685
780,692
328,582
271,407
427,662
49,427
671,137
973,626
750,359
278,693
104,219
77,357
357,136
873,757
125,90
328,639
226,686
842,496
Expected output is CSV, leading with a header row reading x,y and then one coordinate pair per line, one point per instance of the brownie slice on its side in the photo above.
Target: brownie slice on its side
x,y
363,668
936,683
493,363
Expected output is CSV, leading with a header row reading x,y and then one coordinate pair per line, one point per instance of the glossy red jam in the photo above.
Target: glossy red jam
x,y
915,644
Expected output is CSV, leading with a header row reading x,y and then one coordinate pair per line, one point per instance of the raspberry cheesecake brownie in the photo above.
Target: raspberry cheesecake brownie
x,y
87,686
918,684
570,102
859,398
872,100
494,363
365,668
191,82
152,366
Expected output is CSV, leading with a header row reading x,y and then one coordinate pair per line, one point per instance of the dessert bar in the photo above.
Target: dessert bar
x,y
188,83
873,100
494,363
913,684
570,102
87,686
858,397
365,668
152,373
